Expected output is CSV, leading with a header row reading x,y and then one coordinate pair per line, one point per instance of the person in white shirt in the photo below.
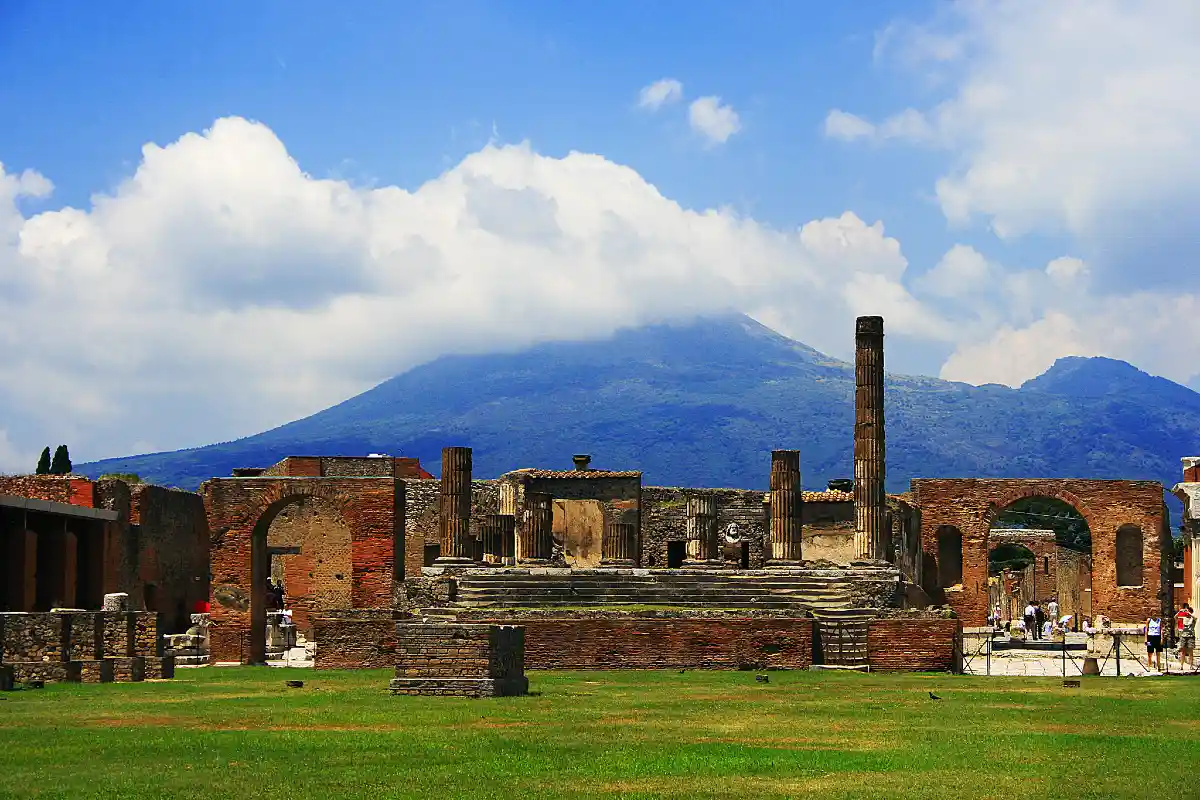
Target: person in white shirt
x,y
1154,645
1052,608
1030,617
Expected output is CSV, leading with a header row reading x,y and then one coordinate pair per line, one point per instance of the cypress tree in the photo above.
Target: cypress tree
x,y
43,465
62,461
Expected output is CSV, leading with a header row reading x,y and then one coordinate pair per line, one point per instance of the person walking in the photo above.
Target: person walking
x,y
1039,619
1052,608
1187,638
1030,619
1154,644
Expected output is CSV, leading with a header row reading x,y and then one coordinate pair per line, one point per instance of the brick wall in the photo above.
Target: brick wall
x,y
971,506
77,636
364,640
457,651
667,643
911,645
54,488
172,543
237,507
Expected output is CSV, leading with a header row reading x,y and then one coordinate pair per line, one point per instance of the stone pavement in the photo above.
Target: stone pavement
x,y
1034,662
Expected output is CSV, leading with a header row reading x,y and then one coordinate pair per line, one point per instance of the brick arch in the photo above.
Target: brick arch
x,y
997,507
972,505
240,512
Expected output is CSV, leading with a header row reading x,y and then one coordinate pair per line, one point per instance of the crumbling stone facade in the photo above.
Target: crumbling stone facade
x,y
1115,511
73,540
87,647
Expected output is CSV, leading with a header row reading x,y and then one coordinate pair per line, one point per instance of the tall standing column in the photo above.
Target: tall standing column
x,y
870,501
455,508
703,549
787,506
537,536
619,546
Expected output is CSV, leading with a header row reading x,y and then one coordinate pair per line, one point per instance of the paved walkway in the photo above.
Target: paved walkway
x,y
1007,660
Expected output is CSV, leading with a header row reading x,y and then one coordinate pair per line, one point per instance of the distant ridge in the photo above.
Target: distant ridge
x,y
703,403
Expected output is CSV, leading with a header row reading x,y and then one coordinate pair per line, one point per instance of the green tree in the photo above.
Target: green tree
x,y
128,477
43,465
62,461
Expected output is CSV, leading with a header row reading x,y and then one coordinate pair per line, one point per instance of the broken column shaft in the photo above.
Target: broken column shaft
x,y
703,549
499,537
787,505
619,546
537,537
870,500
455,508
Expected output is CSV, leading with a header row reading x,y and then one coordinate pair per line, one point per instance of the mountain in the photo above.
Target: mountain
x,y
702,404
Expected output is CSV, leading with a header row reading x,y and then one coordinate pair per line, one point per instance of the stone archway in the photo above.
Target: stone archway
x,y
973,505
241,512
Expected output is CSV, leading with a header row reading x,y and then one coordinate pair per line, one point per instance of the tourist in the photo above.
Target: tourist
x,y
1052,608
1039,619
1047,629
1154,645
1030,620
1187,638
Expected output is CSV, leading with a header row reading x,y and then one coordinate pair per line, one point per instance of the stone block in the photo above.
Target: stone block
x,y
159,667
95,670
128,669
460,687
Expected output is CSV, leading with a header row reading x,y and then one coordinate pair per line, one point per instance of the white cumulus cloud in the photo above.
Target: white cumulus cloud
x,y
220,290
714,120
660,93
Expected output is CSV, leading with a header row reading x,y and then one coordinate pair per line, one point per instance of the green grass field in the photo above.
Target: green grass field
x,y
240,733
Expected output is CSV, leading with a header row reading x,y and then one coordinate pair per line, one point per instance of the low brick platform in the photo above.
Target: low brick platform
x,y
159,667
128,669
459,660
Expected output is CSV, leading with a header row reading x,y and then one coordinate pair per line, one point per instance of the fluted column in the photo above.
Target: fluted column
x,y
537,538
455,508
870,501
619,546
499,537
703,549
786,508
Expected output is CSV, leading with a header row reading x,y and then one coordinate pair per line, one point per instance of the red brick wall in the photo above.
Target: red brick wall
x,y
666,643
911,645
368,643
237,506
38,487
972,505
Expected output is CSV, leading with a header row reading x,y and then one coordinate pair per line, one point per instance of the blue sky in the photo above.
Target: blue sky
x,y
996,178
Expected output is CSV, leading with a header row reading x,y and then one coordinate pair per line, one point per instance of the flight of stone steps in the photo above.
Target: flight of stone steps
x,y
762,590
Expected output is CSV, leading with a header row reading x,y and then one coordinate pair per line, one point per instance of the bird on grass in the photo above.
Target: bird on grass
x,y
933,696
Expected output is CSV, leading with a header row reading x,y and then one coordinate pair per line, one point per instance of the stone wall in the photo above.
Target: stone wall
x,y
240,513
911,645
355,639
317,578
421,517
170,532
92,647
664,520
971,507
54,488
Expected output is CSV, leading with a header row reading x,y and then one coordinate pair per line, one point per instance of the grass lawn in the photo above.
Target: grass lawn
x,y
240,733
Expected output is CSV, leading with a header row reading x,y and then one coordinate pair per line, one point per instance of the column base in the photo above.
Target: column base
x,y
711,563
454,561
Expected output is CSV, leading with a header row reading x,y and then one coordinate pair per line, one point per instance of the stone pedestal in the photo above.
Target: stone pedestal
x,y
455,509
459,660
703,547
117,601
786,509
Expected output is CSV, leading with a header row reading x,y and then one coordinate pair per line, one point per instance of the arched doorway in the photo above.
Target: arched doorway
x,y
1040,548
304,542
